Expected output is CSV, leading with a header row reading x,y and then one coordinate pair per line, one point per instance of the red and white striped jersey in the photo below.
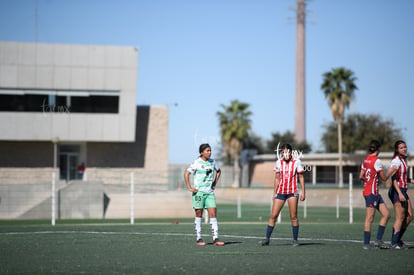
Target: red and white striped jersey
x,y
402,172
371,166
288,171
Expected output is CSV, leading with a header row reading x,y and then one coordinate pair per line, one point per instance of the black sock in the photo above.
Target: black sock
x,y
269,231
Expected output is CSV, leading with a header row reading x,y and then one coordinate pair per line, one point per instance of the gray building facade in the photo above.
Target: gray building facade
x,y
81,98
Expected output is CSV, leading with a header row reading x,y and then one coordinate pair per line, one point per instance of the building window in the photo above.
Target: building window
x,y
13,100
93,104
21,103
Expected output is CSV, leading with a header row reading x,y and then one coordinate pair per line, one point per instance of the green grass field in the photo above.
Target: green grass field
x,y
328,246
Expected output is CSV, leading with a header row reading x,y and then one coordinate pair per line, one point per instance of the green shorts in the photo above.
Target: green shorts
x,y
204,200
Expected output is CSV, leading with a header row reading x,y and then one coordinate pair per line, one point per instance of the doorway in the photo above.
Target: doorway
x,y
69,159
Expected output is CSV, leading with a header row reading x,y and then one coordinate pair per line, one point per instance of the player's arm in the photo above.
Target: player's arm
x,y
187,182
362,175
384,179
397,188
302,186
218,174
276,183
391,171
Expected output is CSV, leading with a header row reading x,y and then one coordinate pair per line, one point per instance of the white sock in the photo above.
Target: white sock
x,y
197,226
214,228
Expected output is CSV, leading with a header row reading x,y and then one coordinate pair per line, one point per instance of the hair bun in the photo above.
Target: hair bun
x,y
374,145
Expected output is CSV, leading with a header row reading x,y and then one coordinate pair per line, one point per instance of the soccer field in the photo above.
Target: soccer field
x,y
328,245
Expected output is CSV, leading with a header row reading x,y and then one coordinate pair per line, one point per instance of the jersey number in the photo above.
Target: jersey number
x,y
368,175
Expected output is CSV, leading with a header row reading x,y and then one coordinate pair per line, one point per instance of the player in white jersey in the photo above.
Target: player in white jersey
x,y
287,172
398,193
206,174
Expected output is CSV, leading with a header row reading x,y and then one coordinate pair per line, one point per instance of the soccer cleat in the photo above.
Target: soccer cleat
x,y
264,242
402,245
368,247
381,244
217,242
295,243
200,242
395,246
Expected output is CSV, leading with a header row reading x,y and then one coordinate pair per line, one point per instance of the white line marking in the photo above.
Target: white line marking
x,y
174,234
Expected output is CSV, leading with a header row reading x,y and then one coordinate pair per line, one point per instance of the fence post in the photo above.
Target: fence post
x,y
206,216
53,197
337,206
132,198
271,205
351,215
314,175
55,141
305,209
239,214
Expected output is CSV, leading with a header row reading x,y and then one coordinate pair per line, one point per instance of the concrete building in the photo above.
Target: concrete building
x,y
66,105
81,97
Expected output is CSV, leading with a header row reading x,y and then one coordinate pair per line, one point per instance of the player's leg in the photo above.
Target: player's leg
x,y
409,212
211,206
399,217
385,216
276,208
293,212
197,227
369,217
212,212
408,216
198,205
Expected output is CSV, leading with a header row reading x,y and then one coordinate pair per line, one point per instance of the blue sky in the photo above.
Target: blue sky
x,y
195,55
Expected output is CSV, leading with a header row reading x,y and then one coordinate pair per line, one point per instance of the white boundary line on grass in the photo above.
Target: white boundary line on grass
x,y
174,234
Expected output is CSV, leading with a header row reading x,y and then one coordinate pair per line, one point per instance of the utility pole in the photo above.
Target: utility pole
x,y
300,107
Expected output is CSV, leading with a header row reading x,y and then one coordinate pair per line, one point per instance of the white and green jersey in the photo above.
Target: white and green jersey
x,y
203,172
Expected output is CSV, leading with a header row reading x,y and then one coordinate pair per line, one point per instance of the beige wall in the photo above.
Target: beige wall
x,y
156,149
111,162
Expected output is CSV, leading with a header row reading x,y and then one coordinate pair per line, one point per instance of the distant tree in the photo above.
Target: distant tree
x,y
287,137
234,126
254,142
359,130
338,86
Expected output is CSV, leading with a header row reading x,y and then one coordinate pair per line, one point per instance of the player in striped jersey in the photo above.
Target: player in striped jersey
x,y
371,168
398,193
287,172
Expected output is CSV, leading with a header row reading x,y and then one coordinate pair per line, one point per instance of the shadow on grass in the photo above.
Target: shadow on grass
x,y
226,243
300,244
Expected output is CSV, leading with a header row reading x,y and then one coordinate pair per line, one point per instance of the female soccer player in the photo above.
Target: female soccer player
x,y
371,168
205,181
287,171
398,193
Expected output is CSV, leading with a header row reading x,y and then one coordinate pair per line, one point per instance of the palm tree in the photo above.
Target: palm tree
x,y
234,126
339,86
